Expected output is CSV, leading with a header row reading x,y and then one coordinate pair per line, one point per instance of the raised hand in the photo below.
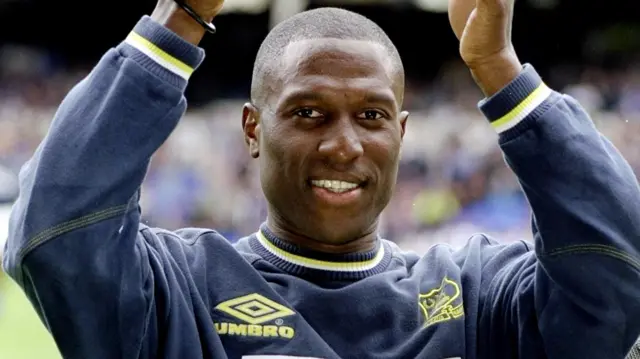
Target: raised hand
x,y
207,9
173,17
484,30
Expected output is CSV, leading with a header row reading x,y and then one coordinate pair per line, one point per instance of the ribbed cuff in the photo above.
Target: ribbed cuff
x,y
162,52
518,105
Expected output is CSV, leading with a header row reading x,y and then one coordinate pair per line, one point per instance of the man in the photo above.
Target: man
x,y
325,125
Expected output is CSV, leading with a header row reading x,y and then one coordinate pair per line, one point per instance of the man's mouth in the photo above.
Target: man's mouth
x,y
335,186
337,193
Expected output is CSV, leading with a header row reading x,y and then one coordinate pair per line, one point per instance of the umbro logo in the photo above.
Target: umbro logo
x,y
254,311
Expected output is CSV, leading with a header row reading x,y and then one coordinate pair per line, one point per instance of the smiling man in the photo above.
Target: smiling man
x,y
316,280
326,126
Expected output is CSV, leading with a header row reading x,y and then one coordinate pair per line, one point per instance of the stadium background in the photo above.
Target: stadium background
x,y
452,180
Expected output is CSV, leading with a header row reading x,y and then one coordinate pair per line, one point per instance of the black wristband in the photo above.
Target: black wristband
x,y
207,26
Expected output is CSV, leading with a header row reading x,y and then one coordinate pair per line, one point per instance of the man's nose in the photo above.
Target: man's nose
x,y
342,144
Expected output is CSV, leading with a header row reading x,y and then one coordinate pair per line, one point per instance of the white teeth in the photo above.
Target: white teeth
x,y
335,186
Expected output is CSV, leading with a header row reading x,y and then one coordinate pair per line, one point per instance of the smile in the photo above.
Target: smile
x,y
337,193
335,186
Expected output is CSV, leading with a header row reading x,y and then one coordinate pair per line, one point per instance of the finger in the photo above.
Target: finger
x,y
459,11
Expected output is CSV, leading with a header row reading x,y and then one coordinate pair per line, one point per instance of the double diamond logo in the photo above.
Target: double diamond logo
x,y
254,309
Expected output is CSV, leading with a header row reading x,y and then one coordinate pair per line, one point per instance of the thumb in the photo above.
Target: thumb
x,y
495,8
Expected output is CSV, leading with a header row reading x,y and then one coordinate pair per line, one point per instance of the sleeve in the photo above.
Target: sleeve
x,y
74,242
576,294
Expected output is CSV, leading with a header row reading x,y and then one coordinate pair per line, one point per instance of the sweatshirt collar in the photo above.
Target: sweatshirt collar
x,y
306,263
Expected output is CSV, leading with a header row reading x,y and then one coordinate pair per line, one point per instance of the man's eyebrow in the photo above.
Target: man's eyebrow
x,y
370,98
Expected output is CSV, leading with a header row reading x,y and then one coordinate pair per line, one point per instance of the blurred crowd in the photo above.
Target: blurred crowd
x,y
452,182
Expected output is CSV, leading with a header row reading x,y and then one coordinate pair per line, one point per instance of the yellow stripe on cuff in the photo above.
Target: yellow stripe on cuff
x,y
159,56
522,110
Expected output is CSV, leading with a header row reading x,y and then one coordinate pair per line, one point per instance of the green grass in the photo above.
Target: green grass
x,y
22,335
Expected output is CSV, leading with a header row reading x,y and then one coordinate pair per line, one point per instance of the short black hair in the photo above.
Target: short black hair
x,y
320,23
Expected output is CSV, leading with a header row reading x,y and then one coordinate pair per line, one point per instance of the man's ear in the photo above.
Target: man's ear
x,y
404,116
251,128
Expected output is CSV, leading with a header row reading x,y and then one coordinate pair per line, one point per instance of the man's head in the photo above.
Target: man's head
x,y
326,95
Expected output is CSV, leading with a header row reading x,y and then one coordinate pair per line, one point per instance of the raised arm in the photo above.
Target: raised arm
x,y
579,296
74,244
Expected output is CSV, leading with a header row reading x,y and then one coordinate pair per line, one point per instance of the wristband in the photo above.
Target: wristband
x,y
209,27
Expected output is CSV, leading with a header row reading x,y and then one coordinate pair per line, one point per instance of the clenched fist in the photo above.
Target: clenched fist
x,y
484,30
482,26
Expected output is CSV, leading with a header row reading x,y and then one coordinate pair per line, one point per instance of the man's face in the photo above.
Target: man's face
x,y
328,139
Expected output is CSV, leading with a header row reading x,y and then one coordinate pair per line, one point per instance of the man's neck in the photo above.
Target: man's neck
x,y
363,243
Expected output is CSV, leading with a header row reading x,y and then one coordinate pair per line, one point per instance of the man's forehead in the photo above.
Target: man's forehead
x,y
321,56
329,60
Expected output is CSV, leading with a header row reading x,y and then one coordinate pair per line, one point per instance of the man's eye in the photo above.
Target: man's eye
x,y
371,115
308,113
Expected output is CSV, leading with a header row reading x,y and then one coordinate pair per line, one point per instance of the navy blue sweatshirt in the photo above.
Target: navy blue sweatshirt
x,y
106,286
